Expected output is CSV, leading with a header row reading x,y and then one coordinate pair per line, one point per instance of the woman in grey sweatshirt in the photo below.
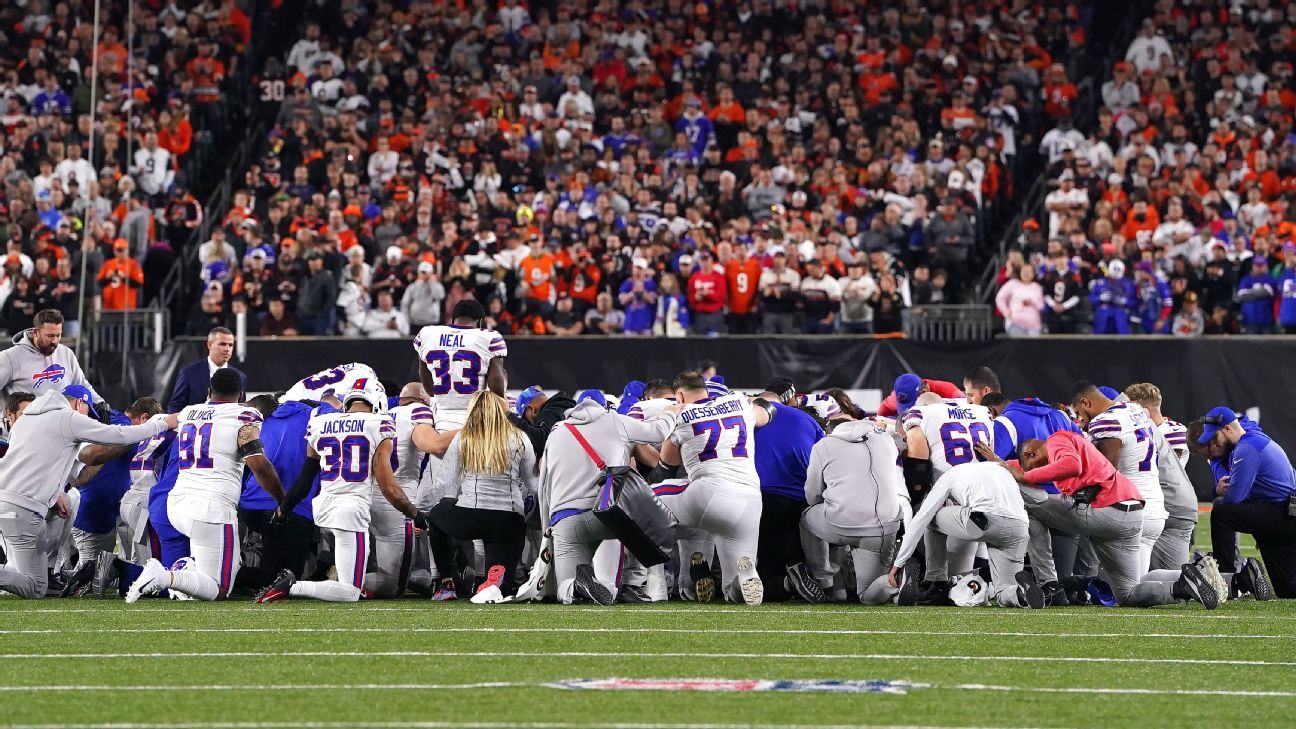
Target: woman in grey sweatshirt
x,y
486,475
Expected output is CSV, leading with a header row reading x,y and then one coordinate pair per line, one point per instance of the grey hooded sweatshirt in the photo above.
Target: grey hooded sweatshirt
x,y
853,472
43,449
567,473
24,369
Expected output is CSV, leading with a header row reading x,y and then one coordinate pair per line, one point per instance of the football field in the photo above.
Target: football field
x,y
411,663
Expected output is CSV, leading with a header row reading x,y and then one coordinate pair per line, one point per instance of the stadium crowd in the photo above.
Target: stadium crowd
x,y
336,489
1174,216
639,168
109,189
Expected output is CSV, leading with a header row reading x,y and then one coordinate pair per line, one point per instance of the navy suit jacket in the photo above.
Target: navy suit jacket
x,y
192,384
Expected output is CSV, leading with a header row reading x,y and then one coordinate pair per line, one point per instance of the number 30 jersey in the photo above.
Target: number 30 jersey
x,y
458,357
346,444
715,437
953,429
342,378
208,460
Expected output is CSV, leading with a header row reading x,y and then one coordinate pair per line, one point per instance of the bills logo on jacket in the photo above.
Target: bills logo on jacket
x,y
53,375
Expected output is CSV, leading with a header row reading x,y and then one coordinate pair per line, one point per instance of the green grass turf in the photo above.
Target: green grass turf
x,y
699,636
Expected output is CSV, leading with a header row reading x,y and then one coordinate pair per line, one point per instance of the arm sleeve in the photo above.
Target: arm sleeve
x,y
1064,462
1244,464
86,430
814,485
652,431
302,485
6,369
446,480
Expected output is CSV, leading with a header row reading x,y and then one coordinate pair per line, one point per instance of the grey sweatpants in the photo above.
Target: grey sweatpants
x,y
1114,535
1005,541
575,539
1172,549
866,551
27,548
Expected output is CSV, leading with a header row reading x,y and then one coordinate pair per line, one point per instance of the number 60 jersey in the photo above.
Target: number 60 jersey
x,y
458,358
952,428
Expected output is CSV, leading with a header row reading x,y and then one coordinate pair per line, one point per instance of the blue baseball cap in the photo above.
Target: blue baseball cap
x,y
1214,420
1109,392
907,388
595,395
525,397
82,393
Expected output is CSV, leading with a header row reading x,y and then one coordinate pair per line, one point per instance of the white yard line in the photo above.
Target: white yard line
x,y
622,654
470,725
689,631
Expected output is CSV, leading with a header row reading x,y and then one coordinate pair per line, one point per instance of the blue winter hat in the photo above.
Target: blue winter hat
x,y
595,395
1108,392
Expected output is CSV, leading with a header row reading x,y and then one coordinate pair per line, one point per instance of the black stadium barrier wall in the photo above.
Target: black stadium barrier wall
x,y
1195,375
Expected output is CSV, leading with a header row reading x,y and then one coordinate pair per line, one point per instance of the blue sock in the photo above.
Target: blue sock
x,y
130,573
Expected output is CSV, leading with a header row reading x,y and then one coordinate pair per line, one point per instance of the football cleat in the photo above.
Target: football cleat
x,y
151,581
753,590
703,582
1193,580
588,586
105,574
490,591
935,593
1054,595
1257,581
278,589
804,585
80,580
633,594
445,592
911,575
1210,568
1028,590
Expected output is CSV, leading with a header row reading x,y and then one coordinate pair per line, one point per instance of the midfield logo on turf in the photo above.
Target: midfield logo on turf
x,y
834,686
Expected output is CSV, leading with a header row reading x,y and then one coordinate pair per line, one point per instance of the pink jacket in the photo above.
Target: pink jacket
x,y
1021,304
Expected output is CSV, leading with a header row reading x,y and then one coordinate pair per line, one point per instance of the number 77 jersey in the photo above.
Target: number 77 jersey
x,y
458,358
953,429
715,439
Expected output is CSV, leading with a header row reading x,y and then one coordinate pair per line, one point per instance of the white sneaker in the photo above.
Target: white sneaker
x,y
1210,568
152,580
489,595
753,590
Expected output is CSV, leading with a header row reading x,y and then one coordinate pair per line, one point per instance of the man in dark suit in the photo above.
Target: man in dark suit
x,y
191,384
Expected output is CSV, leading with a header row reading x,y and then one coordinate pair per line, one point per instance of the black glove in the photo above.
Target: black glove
x,y
277,520
421,520
104,411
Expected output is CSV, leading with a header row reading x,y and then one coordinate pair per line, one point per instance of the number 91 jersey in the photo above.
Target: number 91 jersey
x,y
458,357
346,444
342,378
952,428
715,437
207,457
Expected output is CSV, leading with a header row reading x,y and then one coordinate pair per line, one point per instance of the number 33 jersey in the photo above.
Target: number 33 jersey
x,y
208,460
458,357
346,444
953,429
715,437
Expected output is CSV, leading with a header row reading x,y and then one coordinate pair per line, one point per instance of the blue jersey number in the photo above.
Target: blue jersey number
x,y
195,446
440,363
713,429
960,441
347,459
1145,434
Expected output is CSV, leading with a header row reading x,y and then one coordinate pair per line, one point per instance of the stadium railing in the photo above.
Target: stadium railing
x,y
952,323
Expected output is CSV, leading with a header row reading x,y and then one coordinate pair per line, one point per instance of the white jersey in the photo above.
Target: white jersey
x,y
649,409
147,453
407,461
346,444
1130,423
1176,434
342,378
209,465
953,429
458,357
716,439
